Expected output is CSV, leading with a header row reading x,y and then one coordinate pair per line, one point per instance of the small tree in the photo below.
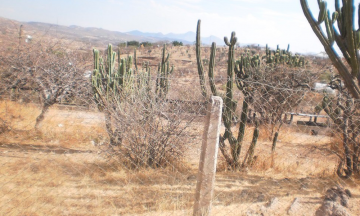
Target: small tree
x,y
146,44
177,43
133,43
45,67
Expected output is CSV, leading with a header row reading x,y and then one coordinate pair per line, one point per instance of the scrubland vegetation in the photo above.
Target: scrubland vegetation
x,y
117,130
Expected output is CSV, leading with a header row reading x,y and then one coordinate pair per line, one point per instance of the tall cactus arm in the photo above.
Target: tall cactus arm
x,y
110,60
349,77
199,62
211,69
350,36
96,59
238,68
135,63
329,29
164,59
230,82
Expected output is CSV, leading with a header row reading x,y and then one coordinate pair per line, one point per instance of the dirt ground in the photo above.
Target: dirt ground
x,y
59,171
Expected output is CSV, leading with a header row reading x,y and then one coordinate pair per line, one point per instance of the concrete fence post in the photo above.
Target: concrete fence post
x,y
208,158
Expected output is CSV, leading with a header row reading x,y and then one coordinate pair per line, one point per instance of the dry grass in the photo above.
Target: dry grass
x,y
64,128
62,184
57,171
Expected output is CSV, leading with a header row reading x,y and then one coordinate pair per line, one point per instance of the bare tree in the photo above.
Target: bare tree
x,y
45,67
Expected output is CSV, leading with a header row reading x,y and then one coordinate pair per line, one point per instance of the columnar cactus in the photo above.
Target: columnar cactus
x,y
347,39
164,70
112,86
283,57
248,69
248,160
230,103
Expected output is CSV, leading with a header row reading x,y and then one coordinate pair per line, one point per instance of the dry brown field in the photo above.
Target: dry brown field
x,y
63,169
57,171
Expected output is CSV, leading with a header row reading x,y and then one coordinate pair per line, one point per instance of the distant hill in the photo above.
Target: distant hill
x,y
95,37
186,38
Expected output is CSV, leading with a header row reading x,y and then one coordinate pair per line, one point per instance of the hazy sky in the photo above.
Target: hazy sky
x,y
254,21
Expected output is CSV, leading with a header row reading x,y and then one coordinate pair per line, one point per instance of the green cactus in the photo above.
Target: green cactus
x,y
112,86
248,67
164,70
346,37
249,157
230,104
211,69
283,57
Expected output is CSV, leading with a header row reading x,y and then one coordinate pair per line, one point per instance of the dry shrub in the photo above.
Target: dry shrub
x,y
144,129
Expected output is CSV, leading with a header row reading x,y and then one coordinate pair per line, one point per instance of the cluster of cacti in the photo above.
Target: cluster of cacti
x,y
110,82
279,56
247,60
106,80
112,85
229,103
164,70
248,65
248,73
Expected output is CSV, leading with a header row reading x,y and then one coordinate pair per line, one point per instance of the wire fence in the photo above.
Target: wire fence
x,y
286,146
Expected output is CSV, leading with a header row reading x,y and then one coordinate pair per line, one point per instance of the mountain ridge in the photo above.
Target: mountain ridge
x,y
96,36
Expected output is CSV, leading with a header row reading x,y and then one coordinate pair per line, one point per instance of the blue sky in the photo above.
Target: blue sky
x,y
254,21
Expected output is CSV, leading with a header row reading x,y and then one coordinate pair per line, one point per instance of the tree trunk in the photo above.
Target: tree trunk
x,y
250,154
274,142
241,134
355,154
349,170
41,117
115,136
